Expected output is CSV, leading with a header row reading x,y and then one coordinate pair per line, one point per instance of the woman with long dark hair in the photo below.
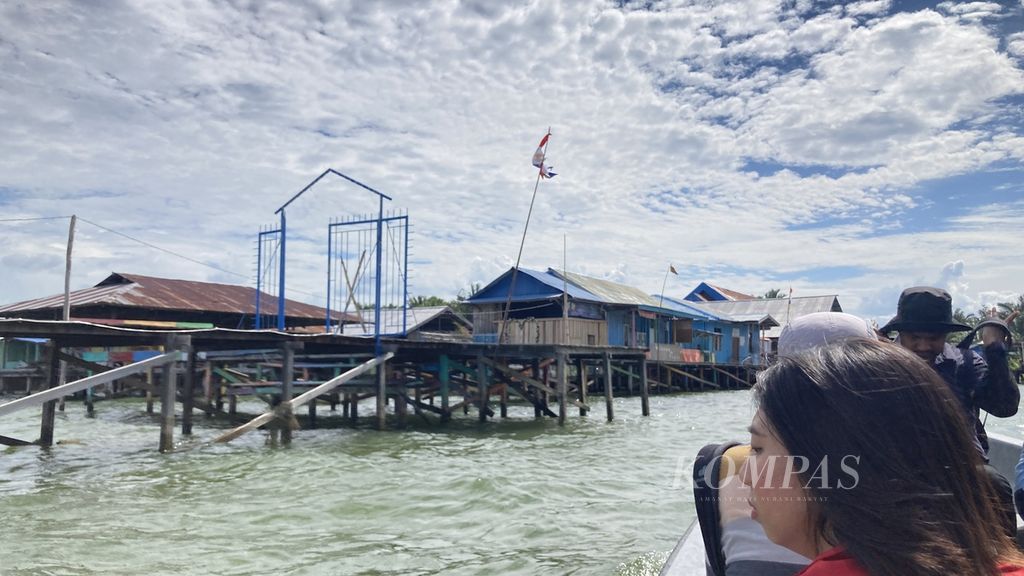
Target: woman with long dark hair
x,y
861,460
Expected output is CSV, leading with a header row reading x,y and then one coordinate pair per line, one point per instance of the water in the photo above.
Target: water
x,y
519,496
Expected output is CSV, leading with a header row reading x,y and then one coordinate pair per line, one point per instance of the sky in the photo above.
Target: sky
x,y
852,149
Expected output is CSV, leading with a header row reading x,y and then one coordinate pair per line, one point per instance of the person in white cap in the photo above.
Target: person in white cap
x,y
746,549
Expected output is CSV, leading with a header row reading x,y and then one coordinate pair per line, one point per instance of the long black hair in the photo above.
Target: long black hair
x,y
904,492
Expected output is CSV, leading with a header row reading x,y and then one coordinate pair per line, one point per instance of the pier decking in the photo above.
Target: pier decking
x,y
201,369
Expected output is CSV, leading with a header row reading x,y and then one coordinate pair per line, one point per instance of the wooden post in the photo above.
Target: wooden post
x,y
544,397
208,387
167,397
149,391
232,402
482,386
334,401
188,394
645,400
312,413
563,386
629,383
582,367
400,408
444,378
382,395
345,402
90,409
608,386
537,412
504,401
50,408
287,373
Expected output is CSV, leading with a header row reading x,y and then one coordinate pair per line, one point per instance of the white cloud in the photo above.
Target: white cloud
x,y
189,125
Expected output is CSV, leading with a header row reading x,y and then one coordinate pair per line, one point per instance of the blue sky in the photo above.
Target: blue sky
x,y
853,149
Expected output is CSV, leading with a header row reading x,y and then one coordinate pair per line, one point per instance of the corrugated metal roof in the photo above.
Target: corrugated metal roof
x,y
732,294
607,291
782,310
148,292
414,319
496,292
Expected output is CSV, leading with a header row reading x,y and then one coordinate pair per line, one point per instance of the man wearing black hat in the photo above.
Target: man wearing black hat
x,y
924,317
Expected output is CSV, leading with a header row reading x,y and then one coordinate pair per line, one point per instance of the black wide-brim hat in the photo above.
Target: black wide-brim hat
x,y
924,309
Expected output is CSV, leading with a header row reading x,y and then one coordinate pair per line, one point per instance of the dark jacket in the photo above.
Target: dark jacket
x,y
984,383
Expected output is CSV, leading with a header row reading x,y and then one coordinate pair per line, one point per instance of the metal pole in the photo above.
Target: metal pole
x,y
376,306
280,288
330,229
405,278
259,278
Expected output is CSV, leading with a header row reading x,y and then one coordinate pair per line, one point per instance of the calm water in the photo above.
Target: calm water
x,y
519,496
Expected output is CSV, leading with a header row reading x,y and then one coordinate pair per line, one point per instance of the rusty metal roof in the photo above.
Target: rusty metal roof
x,y
148,292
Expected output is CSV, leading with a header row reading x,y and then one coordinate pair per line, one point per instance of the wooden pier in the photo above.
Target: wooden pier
x,y
203,369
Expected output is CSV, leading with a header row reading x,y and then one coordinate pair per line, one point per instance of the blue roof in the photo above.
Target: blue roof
x,y
687,308
531,285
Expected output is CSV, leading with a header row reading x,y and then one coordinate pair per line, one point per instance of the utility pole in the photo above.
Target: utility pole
x,y
67,298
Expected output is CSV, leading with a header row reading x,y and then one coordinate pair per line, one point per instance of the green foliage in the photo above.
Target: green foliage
x,y
774,293
1003,310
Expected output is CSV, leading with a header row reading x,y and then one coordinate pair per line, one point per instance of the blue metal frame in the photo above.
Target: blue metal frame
x,y
380,219
379,222
258,323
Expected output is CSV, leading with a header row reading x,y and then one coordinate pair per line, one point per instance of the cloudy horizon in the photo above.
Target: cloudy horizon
x,y
849,149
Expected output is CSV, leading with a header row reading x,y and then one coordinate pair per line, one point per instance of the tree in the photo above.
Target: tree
x,y
418,301
774,293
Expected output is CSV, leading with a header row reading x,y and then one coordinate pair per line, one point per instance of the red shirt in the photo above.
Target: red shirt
x,y
836,562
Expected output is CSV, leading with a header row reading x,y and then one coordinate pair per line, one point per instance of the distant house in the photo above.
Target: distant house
x,y
554,307
783,310
705,292
545,309
150,302
434,323
720,338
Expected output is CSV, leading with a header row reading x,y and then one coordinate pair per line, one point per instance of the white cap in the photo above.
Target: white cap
x,y
820,328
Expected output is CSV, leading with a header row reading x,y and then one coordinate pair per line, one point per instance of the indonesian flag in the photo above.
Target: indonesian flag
x,y
538,158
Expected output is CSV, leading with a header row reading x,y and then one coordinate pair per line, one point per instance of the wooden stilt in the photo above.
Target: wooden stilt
x,y
645,400
208,387
149,391
232,402
444,378
287,375
50,408
483,384
538,411
345,401
563,386
382,396
353,408
544,396
312,413
90,408
400,409
504,401
608,387
582,369
167,397
188,393
334,402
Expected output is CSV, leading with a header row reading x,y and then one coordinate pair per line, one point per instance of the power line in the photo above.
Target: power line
x,y
172,253
149,245
32,219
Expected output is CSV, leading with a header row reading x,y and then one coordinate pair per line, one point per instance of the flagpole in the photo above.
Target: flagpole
x,y
663,284
522,242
